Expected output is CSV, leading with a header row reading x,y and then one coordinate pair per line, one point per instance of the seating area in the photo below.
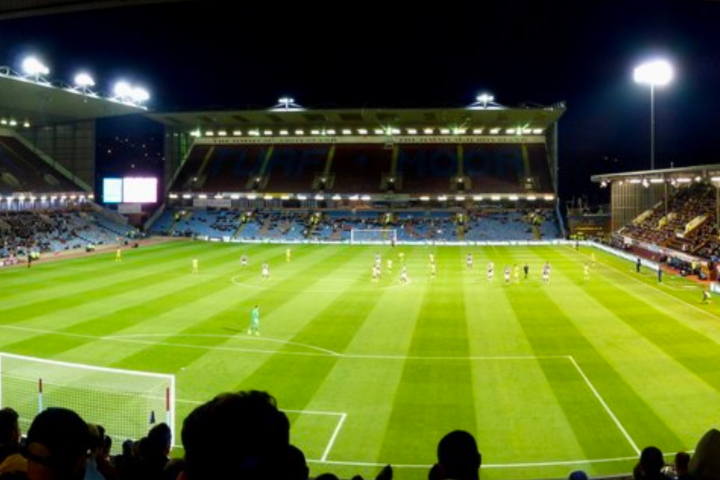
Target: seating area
x,y
54,231
672,229
415,169
336,225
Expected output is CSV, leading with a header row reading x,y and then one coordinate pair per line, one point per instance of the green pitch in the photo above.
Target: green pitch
x,y
549,377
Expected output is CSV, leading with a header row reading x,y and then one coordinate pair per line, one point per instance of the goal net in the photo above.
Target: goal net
x,y
373,236
125,402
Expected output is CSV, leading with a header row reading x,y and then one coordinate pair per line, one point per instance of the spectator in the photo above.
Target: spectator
x,y
57,446
236,436
11,461
458,457
651,465
705,463
682,463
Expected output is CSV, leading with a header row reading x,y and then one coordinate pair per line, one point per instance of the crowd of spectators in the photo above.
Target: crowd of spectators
x,y
244,436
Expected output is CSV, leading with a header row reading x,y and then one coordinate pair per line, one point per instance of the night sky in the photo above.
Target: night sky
x,y
207,55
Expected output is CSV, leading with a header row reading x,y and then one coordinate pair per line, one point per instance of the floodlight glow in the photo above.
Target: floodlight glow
x,y
13,122
3,121
485,98
209,133
315,132
284,197
537,131
379,131
412,131
34,67
424,198
365,198
140,95
715,179
302,197
495,198
187,196
549,197
362,131
237,133
173,196
698,179
656,180
532,198
354,198
21,198
445,131
510,131
514,198
478,198
442,198
195,133
656,73
477,131
268,197
330,131
336,197
123,90
319,197
202,196
428,131
251,196
527,131
284,133
254,133
394,131
84,80
460,198
26,124
222,133
218,196
346,131
494,131
235,196
634,180
267,132
299,132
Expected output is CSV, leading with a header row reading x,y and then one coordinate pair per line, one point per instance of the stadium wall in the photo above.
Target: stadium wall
x,y
628,200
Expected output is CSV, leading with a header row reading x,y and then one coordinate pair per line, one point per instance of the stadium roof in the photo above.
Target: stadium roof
x,y
539,118
27,8
683,175
45,104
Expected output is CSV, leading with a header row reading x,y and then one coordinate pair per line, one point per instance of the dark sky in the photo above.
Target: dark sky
x,y
209,54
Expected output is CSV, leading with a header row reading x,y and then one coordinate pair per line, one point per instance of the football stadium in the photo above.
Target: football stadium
x,y
387,275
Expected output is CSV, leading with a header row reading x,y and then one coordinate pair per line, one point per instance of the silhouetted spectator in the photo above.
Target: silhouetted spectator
x,y
705,462
57,445
297,465
458,456
651,465
11,461
682,464
236,436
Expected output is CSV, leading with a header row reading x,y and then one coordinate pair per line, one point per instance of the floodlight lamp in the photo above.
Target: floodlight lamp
x,y
140,95
123,89
84,80
656,72
34,67
485,98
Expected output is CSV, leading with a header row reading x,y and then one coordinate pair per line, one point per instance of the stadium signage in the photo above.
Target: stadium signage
x,y
409,140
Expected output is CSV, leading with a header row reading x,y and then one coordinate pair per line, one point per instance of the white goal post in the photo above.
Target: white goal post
x,y
370,236
124,402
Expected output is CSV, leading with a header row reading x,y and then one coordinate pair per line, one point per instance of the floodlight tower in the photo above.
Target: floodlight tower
x,y
84,82
656,72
